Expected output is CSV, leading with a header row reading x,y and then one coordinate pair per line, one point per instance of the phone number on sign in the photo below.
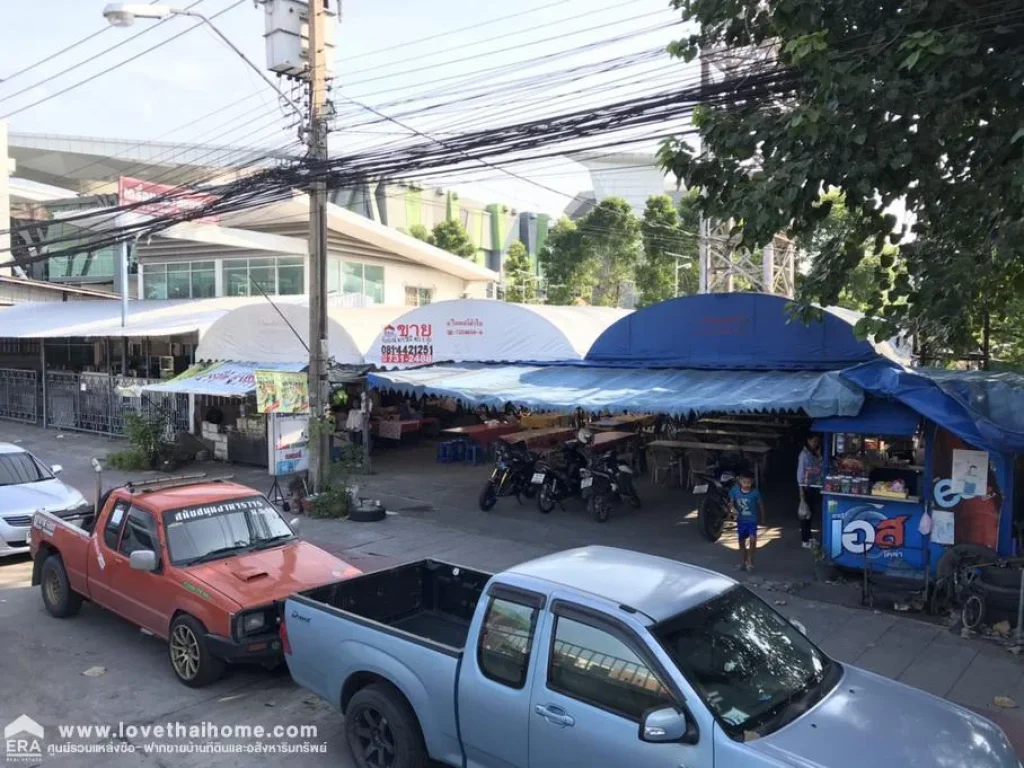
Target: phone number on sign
x,y
411,353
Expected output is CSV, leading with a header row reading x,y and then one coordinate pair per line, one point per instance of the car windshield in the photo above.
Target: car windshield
x,y
19,468
754,670
223,528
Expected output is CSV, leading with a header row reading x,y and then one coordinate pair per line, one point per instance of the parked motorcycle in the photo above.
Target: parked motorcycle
x,y
607,482
714,509
513,470
558,481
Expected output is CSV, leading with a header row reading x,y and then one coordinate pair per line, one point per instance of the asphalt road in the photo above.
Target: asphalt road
x,y
43,664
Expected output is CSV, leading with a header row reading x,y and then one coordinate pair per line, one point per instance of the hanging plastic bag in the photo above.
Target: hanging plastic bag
x,y
804,510
924,527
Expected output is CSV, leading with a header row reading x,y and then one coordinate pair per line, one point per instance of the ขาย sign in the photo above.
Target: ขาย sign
x,y
282,392
407,343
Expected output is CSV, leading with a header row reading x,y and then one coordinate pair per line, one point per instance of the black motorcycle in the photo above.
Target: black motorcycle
x,y
714,509
513,470
557,481
607,482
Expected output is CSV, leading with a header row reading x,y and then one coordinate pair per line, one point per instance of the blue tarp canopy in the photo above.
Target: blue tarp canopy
x,y
877,417
986,409
729,331
672,392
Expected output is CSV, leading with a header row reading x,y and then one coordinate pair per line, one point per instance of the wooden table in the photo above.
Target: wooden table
x,y
768,425
545,438
618,422
692,445
394,429
604,441
482,434
729,433
543,420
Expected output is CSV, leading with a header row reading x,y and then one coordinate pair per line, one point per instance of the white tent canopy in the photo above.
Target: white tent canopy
x,y
99,319
279,332
483,331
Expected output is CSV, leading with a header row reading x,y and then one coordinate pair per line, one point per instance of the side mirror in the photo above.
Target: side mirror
x,y
666,725
143,560
57,469
295,523
800,627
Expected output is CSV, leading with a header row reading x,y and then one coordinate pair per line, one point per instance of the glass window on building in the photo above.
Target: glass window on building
x,y
373,282
179,280
262,273
236,277
290,276
418,297
99,264
351,277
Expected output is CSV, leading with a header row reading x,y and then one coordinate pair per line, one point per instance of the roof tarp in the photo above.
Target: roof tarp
x,y
677,393
224,379
485,331
877,417
279,332
729,331
99,319
985,409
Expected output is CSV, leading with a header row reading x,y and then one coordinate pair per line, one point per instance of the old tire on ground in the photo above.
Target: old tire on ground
x,y
191,659
711,518
955,569
382,730
367,513
488,497
59,599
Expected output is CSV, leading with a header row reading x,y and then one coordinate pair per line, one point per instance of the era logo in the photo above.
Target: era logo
x,y
861,536
23,740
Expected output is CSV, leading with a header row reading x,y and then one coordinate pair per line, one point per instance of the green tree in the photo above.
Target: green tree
x,y
668,247
610,236
520,282
451,236
568,272
885,102
420,232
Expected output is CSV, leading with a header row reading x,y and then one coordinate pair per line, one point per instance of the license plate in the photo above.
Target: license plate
x,y
702,488
586,482
538,478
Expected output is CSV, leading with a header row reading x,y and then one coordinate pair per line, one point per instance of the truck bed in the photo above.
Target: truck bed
x,y
428,599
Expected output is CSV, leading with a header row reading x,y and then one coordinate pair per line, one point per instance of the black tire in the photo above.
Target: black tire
x,y
546,496
60,600
634,499
711,517
488,497
382,730
598,506
367,513
973,613
955,569
191,659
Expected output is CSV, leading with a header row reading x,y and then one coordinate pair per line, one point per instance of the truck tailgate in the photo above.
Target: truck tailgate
x,y
51,532
328,646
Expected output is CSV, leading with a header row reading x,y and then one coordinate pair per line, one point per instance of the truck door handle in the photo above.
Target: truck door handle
x,y
555,715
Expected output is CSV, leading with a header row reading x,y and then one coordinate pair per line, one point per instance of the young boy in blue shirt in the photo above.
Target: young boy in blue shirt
x,y
748,505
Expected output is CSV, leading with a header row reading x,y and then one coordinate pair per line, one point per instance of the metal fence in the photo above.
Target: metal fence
x,y
19,395
99,402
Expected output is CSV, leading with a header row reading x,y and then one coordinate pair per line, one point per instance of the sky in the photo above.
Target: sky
x,y
473,64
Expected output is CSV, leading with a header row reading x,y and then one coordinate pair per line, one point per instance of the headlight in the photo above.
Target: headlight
x,y
81,507
253,622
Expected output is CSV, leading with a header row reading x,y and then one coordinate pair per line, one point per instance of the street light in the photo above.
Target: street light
x,y
125,14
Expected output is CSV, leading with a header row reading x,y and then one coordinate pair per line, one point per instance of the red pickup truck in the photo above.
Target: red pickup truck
x,y
204,564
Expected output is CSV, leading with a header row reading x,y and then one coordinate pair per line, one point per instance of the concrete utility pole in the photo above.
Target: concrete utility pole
x,y
319,456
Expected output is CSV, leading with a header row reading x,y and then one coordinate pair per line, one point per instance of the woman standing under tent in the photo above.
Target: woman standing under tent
x,y
808,478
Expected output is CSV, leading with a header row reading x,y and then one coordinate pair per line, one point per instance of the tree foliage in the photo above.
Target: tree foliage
x,y
420,232
921,102
568,273
669,266
594,259
520,282
451,236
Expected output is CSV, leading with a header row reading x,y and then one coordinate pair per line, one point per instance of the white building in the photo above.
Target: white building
x,y
267,246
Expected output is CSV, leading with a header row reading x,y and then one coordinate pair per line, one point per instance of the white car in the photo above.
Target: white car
x,y
28,486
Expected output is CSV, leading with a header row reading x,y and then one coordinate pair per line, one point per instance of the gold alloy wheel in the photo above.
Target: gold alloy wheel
x,y
184,652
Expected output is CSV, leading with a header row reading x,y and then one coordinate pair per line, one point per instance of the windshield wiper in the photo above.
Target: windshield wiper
x,y
213,554
273,541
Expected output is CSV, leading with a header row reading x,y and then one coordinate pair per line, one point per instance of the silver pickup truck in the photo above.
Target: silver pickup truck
x,y
602,657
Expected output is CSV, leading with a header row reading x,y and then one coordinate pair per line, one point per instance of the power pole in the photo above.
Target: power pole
x,y
319,457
